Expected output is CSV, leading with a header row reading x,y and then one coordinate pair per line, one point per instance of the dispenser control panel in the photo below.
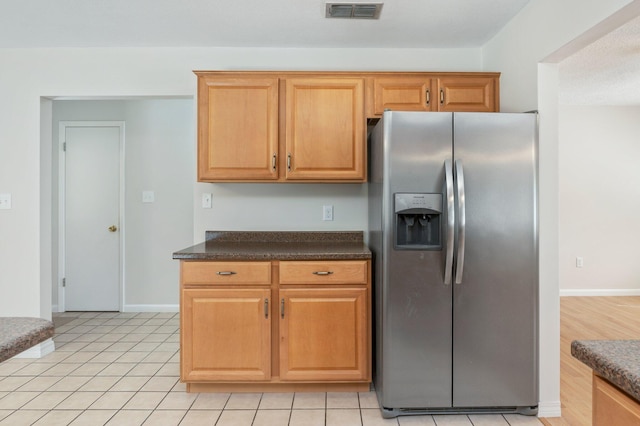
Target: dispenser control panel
x,y
422,202
417,221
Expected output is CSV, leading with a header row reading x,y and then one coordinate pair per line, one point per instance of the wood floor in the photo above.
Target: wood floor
x,y
589,318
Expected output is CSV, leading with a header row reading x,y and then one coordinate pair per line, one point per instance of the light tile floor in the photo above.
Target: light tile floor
x,y
122,369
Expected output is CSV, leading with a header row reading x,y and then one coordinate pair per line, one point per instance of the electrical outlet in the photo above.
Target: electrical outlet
x,y
148,196
5,201
206,200
579,262
327,212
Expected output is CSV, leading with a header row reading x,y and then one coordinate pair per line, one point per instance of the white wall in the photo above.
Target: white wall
x,y
27,75
599,199
540,29
159,157
47,266
265,206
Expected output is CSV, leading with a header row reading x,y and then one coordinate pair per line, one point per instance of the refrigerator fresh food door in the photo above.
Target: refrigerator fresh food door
x,y
495,302
413,302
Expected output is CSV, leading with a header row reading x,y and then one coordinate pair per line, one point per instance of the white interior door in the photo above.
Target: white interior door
x,y
92,217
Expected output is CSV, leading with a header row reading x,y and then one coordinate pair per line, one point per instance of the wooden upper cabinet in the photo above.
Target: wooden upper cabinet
x,y
473,94
267,126
403,94
237,128
453,92
325,133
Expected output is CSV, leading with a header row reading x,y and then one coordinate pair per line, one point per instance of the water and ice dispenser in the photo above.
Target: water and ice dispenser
x,y
418,221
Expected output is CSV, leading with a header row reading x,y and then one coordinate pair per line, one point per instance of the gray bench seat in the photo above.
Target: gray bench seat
x,y
17,334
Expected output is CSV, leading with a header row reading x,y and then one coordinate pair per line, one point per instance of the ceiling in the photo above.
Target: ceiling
x,y
605,72
252,23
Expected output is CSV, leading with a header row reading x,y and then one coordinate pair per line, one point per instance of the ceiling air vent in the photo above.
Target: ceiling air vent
x,y
354,11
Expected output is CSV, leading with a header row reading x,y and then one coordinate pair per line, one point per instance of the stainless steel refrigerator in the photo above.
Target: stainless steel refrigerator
x,y
453,231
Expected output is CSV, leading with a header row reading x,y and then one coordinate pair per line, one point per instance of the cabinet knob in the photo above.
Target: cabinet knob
x,y
112,228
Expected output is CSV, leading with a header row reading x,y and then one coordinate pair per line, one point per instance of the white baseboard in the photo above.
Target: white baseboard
x,y
600,292
549,409
140,308
39,350
151,308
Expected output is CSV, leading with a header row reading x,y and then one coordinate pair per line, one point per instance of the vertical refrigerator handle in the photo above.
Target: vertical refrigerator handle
x,y
451,220
459,176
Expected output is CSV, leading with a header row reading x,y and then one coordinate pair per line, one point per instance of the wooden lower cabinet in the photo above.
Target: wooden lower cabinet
x,y
226,334
241,328
612,406
321,334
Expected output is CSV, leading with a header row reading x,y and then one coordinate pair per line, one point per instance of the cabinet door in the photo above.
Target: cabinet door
x,y
473,94
226,334
324,334
402,94
612,406
237,128
325,132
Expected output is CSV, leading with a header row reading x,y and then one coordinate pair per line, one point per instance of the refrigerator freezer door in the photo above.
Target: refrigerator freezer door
x,y
495,304
412,301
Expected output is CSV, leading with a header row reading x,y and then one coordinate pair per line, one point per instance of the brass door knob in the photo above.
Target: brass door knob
x,y
113,228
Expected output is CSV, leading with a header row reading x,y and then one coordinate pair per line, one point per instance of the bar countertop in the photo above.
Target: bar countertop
x,y
618,361
277,245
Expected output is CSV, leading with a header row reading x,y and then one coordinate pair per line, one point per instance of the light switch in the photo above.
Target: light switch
x,y
327,212
5,201
206,200
148,196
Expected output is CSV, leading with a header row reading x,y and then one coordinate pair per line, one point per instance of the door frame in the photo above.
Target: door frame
x,y
62,127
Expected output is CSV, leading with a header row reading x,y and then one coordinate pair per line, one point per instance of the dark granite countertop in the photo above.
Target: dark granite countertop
x,y
278,245
618,361
17,334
